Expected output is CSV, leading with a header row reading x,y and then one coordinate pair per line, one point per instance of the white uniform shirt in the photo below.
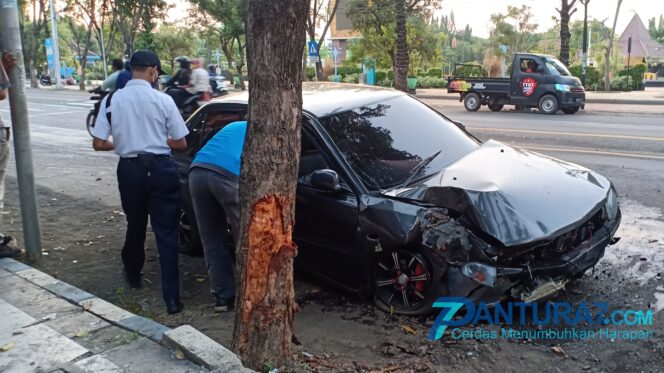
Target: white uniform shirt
x,y
143,119
200,80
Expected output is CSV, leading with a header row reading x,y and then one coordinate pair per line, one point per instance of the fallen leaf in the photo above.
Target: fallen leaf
x,y
559,350
82,333
179,354
200,279
7,347
408,329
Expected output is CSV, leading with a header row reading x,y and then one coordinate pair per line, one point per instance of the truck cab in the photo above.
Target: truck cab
x,y
536,81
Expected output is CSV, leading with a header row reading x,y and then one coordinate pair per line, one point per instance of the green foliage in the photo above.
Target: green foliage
x,y
620,83
434,72
431,82
592,75
381,75
514,29
657,32
311,72
172,41
636,72
351,78
347,70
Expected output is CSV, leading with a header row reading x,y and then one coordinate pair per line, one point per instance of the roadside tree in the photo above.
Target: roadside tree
x,y
264,319
566,11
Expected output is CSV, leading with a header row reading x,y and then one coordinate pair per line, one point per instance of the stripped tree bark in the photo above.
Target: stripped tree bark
x,y
264,321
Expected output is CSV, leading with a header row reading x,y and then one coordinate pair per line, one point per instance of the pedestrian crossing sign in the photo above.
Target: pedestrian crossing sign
x,y
313,48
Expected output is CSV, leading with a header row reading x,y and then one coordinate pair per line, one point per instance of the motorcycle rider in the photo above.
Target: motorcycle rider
x,y
200,79
110,83
182,79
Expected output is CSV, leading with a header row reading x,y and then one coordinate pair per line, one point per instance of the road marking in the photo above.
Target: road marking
x,y
47,114
577,134
598,152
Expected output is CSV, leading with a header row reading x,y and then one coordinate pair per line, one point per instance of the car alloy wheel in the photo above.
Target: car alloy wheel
x,y
548,104
402,279
472,102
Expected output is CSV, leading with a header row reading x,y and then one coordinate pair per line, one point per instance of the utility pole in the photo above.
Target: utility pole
x,y
10,40
56,46
584,60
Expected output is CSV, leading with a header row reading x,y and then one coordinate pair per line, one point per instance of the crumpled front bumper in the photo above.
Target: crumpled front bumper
x,y
538,280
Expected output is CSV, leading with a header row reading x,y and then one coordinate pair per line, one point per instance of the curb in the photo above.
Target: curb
x,y
588,101
198,347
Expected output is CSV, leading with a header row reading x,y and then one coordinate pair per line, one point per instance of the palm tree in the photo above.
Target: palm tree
x,y
566,10
401,61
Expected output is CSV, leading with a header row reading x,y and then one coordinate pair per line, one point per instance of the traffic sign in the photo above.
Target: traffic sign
x,y
313,48
50,53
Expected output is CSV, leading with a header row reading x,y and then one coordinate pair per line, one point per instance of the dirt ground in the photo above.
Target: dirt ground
x,y
339,332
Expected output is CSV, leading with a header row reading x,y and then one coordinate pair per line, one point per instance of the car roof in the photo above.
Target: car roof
x,y
322,99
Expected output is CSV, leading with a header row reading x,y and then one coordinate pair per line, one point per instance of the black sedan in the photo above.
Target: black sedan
x,y
397,200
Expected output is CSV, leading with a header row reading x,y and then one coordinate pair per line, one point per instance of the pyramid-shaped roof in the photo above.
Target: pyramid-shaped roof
x,y
643,45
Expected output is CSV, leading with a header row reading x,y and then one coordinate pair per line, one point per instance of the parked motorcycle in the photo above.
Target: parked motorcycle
x,y
92,116
45,80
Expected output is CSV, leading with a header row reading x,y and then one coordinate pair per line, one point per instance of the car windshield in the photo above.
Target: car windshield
x,y
385,140
556,67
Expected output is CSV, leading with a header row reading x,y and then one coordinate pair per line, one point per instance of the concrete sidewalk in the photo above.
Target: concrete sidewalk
x,y
47,325
651,96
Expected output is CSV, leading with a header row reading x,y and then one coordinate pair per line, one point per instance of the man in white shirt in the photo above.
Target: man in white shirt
x,y
200,79
145,126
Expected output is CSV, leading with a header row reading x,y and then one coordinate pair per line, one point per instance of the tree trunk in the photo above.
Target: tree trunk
x,y
566,10
239,65
84,58
609,46
227,48
401,56
263,331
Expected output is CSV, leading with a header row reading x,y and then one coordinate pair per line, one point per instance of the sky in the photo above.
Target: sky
x,y
477,13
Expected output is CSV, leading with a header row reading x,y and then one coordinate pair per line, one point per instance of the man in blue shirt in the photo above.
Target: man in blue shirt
x,y
213,183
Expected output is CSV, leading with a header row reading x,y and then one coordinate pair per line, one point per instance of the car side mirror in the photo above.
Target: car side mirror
x,y
326,180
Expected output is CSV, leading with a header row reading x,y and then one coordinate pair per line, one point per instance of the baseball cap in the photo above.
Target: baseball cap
x,y
146,58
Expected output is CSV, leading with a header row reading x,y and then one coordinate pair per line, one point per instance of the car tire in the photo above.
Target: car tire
x,y
472,101
570,110
90,122
410,297
548,104
189,240
496,107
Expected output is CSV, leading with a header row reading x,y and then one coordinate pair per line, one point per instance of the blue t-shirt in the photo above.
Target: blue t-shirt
x,y
224,150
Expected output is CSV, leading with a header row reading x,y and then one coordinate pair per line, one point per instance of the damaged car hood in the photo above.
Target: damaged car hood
x,y
514,195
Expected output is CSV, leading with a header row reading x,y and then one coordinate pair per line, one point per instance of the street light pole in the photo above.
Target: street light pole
x,y
10,40
56,47
584,60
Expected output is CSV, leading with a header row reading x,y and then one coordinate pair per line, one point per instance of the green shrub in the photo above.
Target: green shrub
x,y
436,73
620,84
592,75
348,70
350,78
390,75
635,73
385,83
431,82
380,75
311,72
421,72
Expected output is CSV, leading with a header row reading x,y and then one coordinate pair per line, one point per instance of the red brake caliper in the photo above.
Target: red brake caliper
x,y
419,270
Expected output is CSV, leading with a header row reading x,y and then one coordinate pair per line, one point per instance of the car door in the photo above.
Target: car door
x,y
325,222
527,80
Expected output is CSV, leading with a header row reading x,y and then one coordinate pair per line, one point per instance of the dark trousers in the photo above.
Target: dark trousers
x,y
216,203
149,185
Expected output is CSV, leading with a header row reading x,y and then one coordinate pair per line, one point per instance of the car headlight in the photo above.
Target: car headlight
x,y
612,204
563,87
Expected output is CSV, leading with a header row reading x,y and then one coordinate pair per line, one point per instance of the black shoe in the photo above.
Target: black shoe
x,y
133,280
224,305
174,307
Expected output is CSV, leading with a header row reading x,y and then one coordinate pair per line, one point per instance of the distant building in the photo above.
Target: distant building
x,y
644,48
341,29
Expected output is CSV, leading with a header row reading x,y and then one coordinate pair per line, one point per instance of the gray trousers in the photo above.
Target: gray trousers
x,y
4,159
216,199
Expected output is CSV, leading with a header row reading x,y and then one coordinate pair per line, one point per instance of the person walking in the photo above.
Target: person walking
x,y
8,62
145,126
214,178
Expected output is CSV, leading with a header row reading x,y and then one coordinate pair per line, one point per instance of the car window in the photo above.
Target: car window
x,y
384,141
528,66
556,67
